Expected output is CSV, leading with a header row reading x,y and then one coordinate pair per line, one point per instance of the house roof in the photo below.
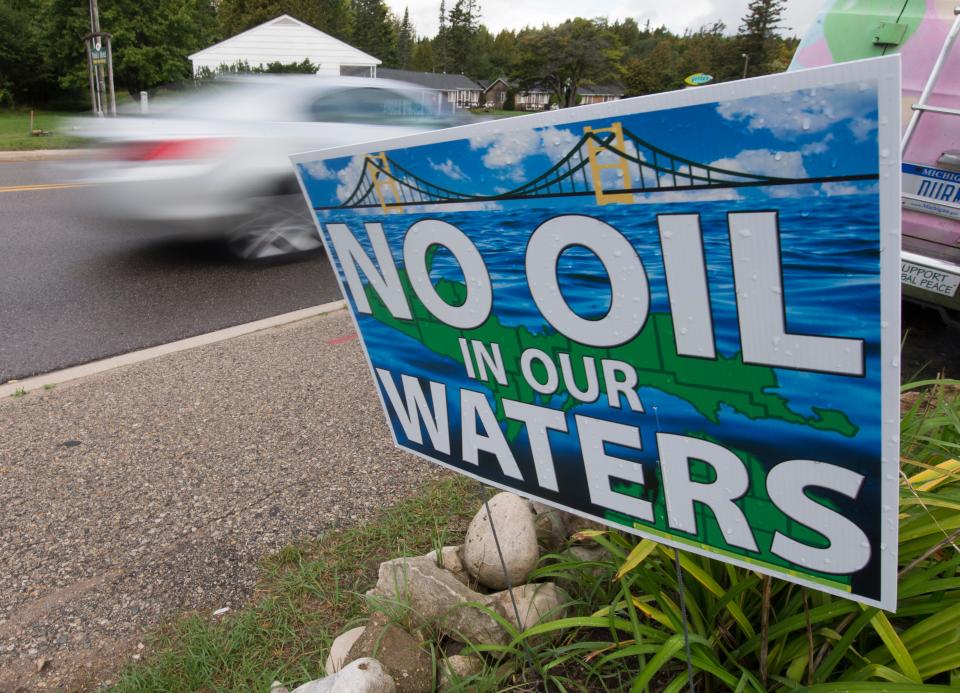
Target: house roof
x,y
600,90
284,39
489,83
431,80
582,90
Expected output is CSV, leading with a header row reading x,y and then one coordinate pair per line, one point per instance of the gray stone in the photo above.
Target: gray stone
x,y
514,521
551,530
434,598
450,560
537,602
365,675
575,523
339,649
401,655
457,667
593,552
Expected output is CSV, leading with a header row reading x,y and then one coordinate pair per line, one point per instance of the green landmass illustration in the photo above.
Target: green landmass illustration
x,y
705,384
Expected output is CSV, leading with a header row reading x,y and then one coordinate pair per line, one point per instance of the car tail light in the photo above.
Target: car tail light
x,y
165,150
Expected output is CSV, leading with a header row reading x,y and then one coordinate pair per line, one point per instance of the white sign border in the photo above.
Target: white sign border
x,y
885,71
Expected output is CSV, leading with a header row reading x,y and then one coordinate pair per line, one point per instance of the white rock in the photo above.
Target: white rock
x,y
551,530
339,649
450,560
513,518
433,597
457,667
359,676
537,602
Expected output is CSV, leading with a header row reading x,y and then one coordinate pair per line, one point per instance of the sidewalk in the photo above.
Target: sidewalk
x,y
43,155
132,495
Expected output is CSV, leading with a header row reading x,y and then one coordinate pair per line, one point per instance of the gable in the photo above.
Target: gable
x,y
284,39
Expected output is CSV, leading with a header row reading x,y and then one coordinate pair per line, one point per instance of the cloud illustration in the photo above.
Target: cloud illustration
x,y
805,111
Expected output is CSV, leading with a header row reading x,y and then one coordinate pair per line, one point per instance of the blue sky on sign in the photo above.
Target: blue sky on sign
x,y
800,134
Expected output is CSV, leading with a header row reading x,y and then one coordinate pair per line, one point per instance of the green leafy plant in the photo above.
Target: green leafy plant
x,y
19,392
749,632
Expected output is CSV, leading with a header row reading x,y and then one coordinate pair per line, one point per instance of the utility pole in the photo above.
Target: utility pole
x,y
746,63
96,60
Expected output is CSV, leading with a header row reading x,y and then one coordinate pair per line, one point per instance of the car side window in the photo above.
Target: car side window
x,y
366,105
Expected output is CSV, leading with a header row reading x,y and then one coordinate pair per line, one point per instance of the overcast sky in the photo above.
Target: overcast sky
x,y
677,15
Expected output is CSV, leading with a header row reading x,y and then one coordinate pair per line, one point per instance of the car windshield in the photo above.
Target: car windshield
x,y
371,105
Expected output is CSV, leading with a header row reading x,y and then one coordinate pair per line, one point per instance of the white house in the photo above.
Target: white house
x,y
286,40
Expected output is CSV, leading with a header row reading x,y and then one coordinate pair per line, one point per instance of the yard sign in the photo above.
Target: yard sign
x,y
678,315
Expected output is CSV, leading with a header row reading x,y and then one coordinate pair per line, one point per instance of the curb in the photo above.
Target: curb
x,y
134,357
26,155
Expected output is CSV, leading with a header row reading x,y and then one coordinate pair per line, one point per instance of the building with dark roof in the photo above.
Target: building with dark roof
x,y
538,97
458,90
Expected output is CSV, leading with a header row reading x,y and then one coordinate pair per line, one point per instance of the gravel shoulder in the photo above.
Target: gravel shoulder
x,y
132,496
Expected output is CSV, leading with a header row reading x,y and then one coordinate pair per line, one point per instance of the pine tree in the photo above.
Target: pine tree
x,y
461,36
422,60
374,31
757,34
405,41
440,42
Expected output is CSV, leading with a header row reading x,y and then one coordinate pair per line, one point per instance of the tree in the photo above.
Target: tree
x,y
503,54
440,41
334,17
374,31
25,77
151,40
658,71
757,36
422,60
563,58
480,63
405,41
460,51
239,15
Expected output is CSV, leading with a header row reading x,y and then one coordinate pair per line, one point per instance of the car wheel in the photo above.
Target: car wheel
x,y
281,225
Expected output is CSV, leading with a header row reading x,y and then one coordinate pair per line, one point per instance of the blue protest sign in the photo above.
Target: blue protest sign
x,y
678,314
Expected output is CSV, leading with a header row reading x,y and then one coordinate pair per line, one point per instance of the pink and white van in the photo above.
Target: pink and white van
x,y
924,33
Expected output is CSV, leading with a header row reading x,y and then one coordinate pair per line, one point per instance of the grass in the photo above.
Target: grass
x,y
19,392
15,131
623,632
753,633
308,594
498,112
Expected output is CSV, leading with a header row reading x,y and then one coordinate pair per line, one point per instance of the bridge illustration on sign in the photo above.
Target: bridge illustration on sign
x,y
610,163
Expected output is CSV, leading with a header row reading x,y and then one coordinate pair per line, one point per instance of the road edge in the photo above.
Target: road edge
x,y
134,357
23,156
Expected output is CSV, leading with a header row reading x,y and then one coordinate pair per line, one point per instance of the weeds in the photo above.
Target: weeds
x,y
309,593
19,392
748,632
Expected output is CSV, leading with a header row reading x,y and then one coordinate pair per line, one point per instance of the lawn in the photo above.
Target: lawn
x,y
309,593
15,131
497,112
748,632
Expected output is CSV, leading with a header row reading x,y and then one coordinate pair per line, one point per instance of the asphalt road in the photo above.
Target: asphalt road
x,y
71,292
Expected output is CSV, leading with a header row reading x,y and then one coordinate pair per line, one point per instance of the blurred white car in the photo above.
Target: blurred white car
x,y
214,162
